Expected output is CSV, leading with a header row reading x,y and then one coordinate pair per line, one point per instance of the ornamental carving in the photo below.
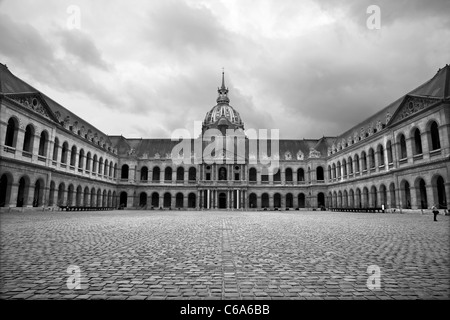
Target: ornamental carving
x,y
355,136
300,155
66,122
388,117
413,105
288,156
32,103
58,116
349,141
157,156
313,153
379,126
370,129
362,133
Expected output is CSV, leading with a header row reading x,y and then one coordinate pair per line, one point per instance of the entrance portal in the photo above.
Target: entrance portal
x,y
222,200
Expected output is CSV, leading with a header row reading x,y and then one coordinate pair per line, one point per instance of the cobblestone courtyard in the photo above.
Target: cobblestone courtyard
x,y
224,255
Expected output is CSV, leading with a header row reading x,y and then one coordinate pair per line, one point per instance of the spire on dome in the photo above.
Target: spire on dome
x,y
223,91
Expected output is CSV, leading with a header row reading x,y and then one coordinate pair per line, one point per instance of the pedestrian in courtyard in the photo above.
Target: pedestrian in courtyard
x,y
435,212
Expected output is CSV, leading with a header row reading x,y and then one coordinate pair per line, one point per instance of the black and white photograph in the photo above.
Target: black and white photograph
x,y
223,158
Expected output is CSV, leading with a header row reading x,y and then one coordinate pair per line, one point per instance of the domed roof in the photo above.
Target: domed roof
x,y
223,110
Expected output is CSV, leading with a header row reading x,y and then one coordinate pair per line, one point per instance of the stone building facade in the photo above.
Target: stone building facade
x,y
398,158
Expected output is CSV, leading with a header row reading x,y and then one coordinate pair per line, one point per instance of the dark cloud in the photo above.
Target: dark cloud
x,y
307,78
25,48
185,29
80,45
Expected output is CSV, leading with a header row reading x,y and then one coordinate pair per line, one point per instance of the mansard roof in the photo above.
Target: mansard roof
x,y
437,87
162,148
12,86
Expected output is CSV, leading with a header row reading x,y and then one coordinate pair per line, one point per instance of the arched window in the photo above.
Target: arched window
x,y
94,164
65,149
380,152
81,159
300,175
417,142
100,165
350,165
277,175
357,168
389,151
105,170
371,158
55,149
73,156
319,173
124,174
434,131
364,161
402,146
168,174
252,174
180,174
192,174
11,133
330,176
28,139
344,168
288,174
88,161
301,200
156,174
191,200
43,142
144,173
276,200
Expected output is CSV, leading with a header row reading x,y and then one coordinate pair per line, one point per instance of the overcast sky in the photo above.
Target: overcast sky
x,y
146,68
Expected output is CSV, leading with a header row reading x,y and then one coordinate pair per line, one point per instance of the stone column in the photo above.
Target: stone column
x,y
425,144
88,199
35,147
414,200
14,194
29,200
20,139
258,176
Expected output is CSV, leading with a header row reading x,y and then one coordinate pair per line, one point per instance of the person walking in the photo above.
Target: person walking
x,y
435,212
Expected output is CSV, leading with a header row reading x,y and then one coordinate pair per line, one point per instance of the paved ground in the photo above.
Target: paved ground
x,y
223,255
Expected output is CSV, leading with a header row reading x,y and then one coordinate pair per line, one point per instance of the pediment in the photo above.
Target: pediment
x,y
411,105
34,102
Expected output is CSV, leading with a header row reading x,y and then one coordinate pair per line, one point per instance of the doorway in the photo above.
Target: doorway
x,y
222,200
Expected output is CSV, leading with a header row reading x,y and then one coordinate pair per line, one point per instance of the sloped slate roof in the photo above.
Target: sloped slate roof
x,y
437,87
10,84
151,147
